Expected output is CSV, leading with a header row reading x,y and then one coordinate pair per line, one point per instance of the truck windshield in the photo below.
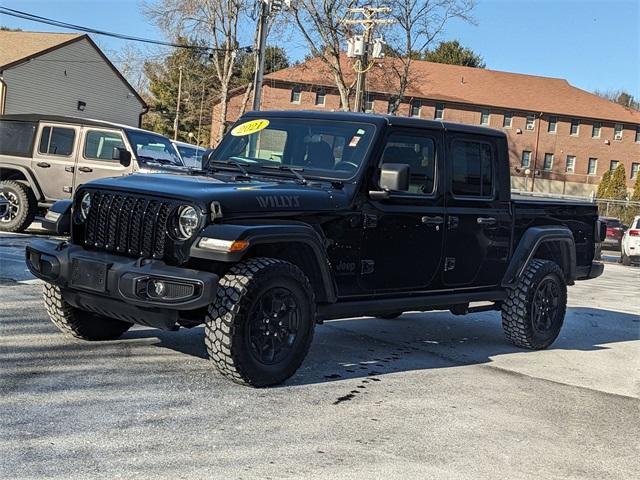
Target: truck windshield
x,y
320,148
153,148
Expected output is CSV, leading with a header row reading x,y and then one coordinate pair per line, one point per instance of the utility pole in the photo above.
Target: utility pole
x,y
359,46
260,53
266,9
175,121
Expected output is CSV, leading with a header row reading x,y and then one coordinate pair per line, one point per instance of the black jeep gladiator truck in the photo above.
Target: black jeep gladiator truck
x,y
301,217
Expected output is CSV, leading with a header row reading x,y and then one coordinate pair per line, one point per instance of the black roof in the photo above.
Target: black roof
x,y
37,117
380,120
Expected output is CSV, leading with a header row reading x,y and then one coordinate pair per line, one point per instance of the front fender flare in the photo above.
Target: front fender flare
x,y
273,232
531,240
27,174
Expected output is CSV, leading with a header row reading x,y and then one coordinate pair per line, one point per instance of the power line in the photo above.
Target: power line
x,y
70,26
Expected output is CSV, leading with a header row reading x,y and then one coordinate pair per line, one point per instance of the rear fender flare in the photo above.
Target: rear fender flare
x,y
531,241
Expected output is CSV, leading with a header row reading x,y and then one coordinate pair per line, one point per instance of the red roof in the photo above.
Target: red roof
x,y
477,86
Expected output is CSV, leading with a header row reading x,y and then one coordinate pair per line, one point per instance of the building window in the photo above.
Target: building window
x,y
526,158
531,118
553,124
571,164
635,168
508,119
296,94
638,134
416,106
613,165
575,126
484,116
368,103
593,166
320,98
617,131
548,162
597,127
439,115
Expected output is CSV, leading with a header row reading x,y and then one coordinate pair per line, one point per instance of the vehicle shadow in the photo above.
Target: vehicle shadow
x,y
371,347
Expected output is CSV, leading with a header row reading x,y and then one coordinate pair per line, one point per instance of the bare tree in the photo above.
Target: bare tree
x,y
418,24
320,23
214,22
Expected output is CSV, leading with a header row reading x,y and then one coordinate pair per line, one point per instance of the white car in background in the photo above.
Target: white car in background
x,y
191,154
630,248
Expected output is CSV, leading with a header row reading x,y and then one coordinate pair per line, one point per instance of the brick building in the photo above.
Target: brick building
x,y
563,139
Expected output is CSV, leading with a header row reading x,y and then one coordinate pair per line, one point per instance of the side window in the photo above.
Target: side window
x,y
98,145
419,153
472,169
57,141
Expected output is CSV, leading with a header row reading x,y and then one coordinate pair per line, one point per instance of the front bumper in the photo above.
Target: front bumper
x,y
121,287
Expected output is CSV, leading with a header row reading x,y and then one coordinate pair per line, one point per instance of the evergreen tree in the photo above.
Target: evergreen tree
x,y
198,87
618,185
603,188
636,189
454,54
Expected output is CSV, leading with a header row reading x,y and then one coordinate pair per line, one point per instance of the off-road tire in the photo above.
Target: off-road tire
x,y
79,323
625,259
227,322
517,315
389,316
27,206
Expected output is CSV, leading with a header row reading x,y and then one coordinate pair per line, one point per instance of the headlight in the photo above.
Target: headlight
x,y
85,206
188,220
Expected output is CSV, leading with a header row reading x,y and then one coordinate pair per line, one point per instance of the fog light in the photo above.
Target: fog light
x,y
157,288
223,245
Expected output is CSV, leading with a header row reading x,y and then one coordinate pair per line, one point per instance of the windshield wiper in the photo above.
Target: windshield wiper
x,y
239,165
288,168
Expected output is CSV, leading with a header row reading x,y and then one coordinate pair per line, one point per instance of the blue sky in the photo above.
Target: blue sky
x,y
593,44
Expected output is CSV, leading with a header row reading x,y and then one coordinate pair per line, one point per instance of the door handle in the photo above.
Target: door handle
x,y
43,164
486,221
437,220
68,169
85,169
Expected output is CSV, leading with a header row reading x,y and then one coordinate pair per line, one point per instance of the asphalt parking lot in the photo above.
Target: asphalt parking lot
x,y
429,395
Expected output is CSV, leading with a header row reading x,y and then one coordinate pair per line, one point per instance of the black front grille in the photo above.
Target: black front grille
x,y
129,225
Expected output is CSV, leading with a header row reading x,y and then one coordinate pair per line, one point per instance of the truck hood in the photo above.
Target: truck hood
x,y
234,197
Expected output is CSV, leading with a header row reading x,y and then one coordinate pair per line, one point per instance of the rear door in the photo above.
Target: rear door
x,y
54,159
95,158
478,219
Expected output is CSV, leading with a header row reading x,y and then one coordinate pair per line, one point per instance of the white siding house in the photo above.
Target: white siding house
x,y
63,74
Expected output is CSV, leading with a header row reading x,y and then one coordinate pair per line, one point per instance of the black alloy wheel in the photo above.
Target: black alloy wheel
x,y
274,324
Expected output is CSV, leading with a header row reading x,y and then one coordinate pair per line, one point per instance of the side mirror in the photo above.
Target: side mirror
x,y
394,177
122,155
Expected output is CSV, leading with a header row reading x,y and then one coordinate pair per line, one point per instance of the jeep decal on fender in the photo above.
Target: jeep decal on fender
x,y
278,201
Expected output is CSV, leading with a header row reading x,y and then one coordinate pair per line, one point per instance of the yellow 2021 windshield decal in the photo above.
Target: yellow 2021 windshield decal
x,y
248,128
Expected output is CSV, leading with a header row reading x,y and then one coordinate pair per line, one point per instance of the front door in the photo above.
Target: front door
x,y
95,158
478,226
403,234
54,159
